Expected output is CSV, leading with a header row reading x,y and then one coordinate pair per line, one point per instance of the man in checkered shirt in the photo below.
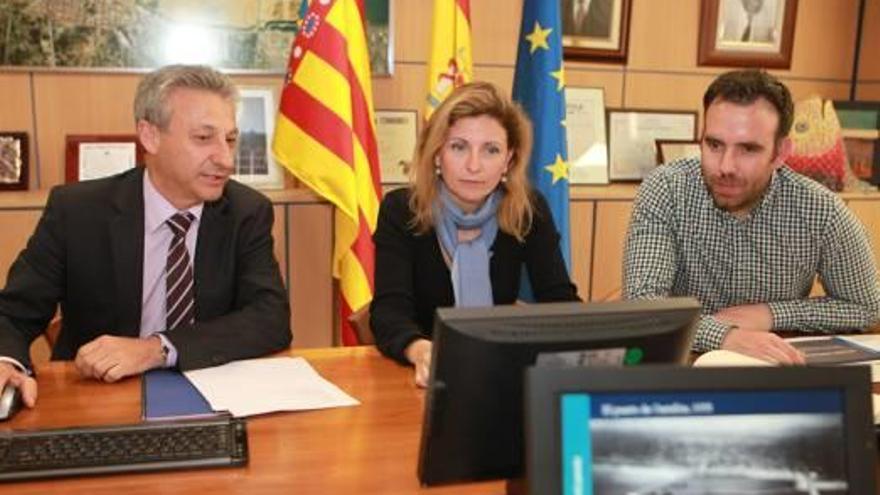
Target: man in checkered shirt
x,y
746,235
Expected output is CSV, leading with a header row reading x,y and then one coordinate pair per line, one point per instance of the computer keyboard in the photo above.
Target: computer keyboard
x,y
126,448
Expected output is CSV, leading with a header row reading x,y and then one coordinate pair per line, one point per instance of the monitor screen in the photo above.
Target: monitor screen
x,y
473,423
670,431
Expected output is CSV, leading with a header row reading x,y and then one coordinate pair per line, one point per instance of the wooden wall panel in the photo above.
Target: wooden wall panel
x,y
824,39
82,103
664,35
611,80
16,115
581,221
311,283
666,91
612,220
868,91
869,64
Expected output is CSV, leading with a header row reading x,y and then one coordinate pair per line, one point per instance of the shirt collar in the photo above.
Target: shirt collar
x,y
157,209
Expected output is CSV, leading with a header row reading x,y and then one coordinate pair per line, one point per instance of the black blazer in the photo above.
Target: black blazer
x,y
412,279
87,254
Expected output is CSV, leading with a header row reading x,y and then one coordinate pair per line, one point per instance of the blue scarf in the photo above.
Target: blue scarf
x,y
470,260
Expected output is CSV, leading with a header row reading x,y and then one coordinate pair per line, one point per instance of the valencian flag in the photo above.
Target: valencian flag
x,y
539,86
325,136
451,64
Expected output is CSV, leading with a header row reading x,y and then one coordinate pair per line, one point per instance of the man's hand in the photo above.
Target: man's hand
x,y
25,384
756,317
419,354
111,358
762,345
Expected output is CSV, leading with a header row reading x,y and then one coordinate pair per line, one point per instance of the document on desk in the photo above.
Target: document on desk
x,y
258,386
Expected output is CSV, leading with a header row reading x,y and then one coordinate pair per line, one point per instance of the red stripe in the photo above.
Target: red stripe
x,y
316,120
364,250
465,6
348,335
362,126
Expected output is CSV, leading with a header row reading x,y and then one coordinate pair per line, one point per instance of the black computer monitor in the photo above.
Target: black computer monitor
x,y
473,422
700,430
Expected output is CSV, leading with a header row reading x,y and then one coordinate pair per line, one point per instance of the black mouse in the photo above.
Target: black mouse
x,y
10,402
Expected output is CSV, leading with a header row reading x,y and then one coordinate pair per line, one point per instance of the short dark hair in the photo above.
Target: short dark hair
x,y
744,87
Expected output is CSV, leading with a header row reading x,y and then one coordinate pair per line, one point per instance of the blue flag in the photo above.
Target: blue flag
x,y
539,86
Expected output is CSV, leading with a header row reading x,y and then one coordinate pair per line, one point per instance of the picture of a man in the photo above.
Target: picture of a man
x,y
590,18
749,21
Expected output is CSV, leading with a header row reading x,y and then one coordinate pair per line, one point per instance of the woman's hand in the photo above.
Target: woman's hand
x,y
418,352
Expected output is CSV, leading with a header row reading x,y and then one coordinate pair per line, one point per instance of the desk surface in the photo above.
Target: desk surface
x,y
371,448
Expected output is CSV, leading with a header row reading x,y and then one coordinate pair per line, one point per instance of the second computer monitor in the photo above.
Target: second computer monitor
x,y
473,422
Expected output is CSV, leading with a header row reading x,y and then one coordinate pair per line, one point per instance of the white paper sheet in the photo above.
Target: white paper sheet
x,y
258,386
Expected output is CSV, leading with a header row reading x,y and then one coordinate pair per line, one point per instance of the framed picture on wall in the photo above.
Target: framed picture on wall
x,y
95,156
585,135
254,164
396,133
13,161
747,33
860,128
596,30
673,149
631,135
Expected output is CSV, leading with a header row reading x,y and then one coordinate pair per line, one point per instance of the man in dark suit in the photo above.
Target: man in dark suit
x,y
167,266
590,18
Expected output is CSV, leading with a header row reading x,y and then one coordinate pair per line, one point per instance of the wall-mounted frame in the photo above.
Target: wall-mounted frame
x,y
95,156
13,161
631,135
860,128
254,164
595,30
249,36
747,33
396,135
674,149
585,135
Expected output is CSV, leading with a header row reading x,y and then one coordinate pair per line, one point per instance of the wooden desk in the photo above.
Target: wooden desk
x,y
371,448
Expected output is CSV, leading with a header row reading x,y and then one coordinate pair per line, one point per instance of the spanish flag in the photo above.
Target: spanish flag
x,y
451,63
325,136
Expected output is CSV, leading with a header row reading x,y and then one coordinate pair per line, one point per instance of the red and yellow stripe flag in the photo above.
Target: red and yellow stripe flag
x,y
326,137
451,64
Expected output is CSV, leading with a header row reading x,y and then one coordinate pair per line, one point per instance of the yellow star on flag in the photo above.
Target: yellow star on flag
x,y
538,38
559,169
559,75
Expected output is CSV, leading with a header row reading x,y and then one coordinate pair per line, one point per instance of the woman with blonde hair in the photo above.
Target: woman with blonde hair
x,y
461,232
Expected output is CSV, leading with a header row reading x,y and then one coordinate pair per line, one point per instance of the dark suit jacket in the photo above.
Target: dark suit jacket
x,y
413,280
87,254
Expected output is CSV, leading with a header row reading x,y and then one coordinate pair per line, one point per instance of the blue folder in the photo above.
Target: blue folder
x,y
168,394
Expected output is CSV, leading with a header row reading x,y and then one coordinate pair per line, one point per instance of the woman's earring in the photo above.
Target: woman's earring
x,y
504,179
437,171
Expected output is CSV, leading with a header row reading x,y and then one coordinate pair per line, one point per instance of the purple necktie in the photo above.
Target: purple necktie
x,y
179,299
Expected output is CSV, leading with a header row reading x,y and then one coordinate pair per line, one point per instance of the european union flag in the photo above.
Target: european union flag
x,y
538,85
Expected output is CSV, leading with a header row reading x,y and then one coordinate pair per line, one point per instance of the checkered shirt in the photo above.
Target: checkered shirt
x,y
680,244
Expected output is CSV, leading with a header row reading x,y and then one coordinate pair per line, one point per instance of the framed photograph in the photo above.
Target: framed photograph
x,y
254,164
95,156
245,36
585,134
860,128
674,149
747,33
595,30
13,161
631,135
396,134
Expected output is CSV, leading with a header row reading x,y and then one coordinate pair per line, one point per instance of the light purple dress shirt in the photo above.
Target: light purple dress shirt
x,y
157,238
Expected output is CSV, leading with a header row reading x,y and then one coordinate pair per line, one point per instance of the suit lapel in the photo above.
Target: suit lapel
x,y
214,229
127,240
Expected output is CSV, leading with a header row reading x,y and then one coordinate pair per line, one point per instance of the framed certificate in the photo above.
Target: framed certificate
x,y
95,156
13,161
585,134
396,134
631,135
674,149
